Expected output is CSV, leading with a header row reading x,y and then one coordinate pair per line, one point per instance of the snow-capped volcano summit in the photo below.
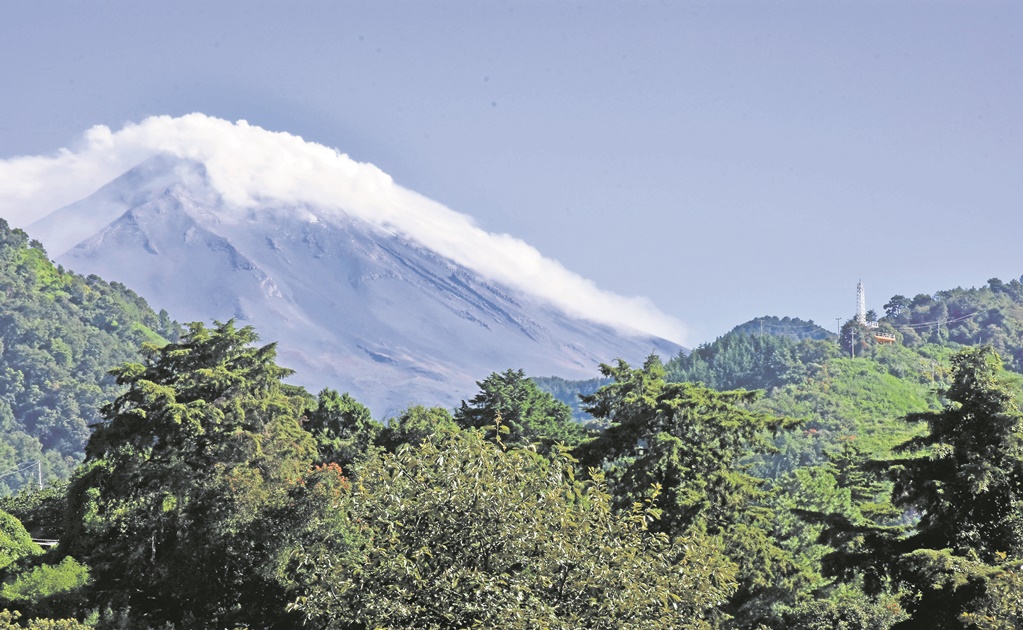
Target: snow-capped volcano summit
x,y
366,287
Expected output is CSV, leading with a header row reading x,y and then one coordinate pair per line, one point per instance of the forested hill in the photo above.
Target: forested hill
x,y
59,335
852,388
991,314
791,327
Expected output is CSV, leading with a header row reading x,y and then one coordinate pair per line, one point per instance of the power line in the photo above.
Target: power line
x,y
938,321
38,464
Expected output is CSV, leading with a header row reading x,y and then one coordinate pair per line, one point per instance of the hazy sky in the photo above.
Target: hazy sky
x,y
725,159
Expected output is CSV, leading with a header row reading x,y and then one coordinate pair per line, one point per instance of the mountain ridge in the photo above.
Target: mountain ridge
x,y
351,304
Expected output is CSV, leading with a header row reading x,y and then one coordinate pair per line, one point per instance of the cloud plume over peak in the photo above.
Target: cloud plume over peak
x,y
250,167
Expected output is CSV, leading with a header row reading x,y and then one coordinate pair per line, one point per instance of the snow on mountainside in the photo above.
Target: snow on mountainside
x,y
352,305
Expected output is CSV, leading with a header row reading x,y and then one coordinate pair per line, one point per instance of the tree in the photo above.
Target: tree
x,y
10,620
174,507
343,428
682,446
963,481
15,541
415,425
684,437
464,533
531,415
965,475
895,306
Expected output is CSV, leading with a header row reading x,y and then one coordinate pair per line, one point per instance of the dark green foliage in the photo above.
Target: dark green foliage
x,y
415,425
569,392
965,477
740,360
991,315
847,611
687,438
343,428
682,446
963,481
40,511
791,328
531,415
59,334
179,508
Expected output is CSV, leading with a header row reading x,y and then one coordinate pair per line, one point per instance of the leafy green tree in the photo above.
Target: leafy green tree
x,y
15,541
686,438
47,589
463,533
415,425
894,307
531,415
343,428
174,508
689,442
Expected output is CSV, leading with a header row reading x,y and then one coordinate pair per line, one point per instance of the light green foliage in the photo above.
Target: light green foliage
x,y
465,534
839,398
178,507
45,581
531,415
58,338
15,541
847,401
10,620
343,428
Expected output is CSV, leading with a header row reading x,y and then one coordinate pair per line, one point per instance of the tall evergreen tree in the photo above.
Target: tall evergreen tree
x,y
343,428
962,484
682,446
174,508
531,415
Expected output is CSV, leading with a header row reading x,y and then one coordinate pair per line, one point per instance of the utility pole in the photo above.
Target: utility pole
x,y
852,346
39,471
838,328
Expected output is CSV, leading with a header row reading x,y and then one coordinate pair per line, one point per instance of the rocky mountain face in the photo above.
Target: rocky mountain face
x,y
351,305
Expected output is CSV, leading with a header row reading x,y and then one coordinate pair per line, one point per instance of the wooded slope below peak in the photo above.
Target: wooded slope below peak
x,y
59,335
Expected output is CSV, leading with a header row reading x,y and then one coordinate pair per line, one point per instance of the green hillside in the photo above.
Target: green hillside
x,y
59,335
780,476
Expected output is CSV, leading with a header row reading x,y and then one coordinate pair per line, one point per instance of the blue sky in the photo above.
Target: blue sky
x,y
725,159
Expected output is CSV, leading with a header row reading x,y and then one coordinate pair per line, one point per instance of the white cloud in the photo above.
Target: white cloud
x,y
249,167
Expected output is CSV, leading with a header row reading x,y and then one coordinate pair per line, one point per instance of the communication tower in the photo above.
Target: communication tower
x,y
861,316
861,303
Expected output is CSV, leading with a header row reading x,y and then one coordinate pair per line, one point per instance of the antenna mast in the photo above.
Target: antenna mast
x,y
861,303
